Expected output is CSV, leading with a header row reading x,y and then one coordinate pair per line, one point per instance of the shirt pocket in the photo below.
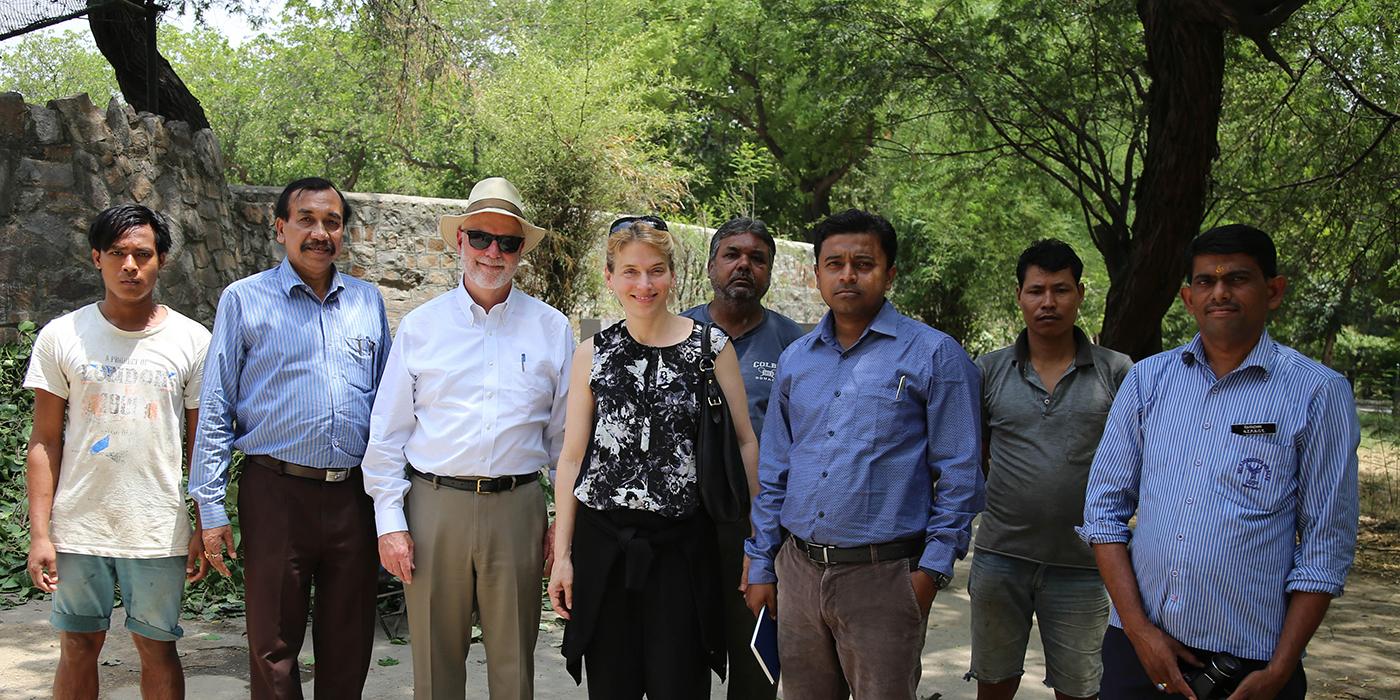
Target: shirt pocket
x,y
357,361
1259,474
1085,431
874,416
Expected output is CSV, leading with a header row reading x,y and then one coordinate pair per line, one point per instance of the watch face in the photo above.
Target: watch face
x,y
941,581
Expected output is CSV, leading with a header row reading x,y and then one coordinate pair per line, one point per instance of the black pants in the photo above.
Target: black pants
x,y
1124,678
746,679
647,639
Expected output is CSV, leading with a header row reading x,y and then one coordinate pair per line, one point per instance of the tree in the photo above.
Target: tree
x,y
124,35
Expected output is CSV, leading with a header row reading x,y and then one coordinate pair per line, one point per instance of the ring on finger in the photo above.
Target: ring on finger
x,y
1161,687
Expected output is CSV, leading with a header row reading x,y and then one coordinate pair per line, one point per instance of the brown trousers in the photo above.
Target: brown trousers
x,y
847,628
298,533
482,554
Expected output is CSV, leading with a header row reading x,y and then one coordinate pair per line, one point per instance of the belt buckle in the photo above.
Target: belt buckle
x,y
826,559
479,482
336,476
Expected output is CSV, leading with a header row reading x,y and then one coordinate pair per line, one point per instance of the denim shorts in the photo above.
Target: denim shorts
x,y
1070,606
152,590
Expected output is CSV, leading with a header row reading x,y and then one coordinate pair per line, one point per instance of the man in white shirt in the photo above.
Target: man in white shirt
x,y
470,408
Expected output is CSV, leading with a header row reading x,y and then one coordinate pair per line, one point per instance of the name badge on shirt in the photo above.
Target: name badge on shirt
x,y
1254,428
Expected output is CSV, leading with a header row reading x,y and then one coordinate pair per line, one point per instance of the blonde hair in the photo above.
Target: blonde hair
x,y
642,232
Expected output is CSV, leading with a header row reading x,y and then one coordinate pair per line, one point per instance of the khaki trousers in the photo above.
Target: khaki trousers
x,y
847,629
479,553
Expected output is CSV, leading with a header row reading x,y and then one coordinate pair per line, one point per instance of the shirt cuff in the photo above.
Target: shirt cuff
x,y
212,515
937,557
390,519
760,564
1103,532
1307,585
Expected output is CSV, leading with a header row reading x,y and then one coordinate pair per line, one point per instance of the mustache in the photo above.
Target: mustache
x,y
1228,306
317,245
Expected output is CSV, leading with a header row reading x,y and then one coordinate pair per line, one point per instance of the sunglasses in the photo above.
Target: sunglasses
x,y
481,240
653,221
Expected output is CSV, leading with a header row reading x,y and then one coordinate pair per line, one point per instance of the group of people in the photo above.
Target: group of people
x,y
870,445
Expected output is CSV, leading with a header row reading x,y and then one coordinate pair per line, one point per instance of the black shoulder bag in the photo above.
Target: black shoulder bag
x,y
719,465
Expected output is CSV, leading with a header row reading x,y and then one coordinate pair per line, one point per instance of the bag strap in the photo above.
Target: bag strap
x,y
713,396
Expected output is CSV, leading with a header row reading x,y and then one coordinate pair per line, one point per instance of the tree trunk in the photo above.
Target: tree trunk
x,y
119,31
1186,61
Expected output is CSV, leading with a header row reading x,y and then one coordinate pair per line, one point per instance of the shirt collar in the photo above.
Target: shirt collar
x,y
288,279
1083,353
477,315
1262,356
886,322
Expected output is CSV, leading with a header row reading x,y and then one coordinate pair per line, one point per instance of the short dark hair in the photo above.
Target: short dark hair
x,y
856,221
283,210
1050,255
1235,238
113,223
743,224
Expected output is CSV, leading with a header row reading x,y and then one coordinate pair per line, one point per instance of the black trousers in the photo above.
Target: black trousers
x,y
746,680
1124,678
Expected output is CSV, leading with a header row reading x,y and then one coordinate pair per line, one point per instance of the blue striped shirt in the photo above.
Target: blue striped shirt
x,y
1244,490
287,375
876,443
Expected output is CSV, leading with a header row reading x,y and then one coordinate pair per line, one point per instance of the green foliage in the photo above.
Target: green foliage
x,y
47,67
16,421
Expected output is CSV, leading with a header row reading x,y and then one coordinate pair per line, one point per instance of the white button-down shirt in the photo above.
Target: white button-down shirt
x,y
468,393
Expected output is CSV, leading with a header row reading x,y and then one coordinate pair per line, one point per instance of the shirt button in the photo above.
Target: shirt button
x,y
1180,537
488,394
1206,426
1215,391
830,433
1173,599
823,475
821,514
1198,462
1047,402
838,394
1173,573
1190,501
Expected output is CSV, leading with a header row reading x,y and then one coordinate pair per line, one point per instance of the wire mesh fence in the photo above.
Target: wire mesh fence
x,y
23,16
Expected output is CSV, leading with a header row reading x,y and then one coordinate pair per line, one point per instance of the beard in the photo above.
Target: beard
x,y
485,277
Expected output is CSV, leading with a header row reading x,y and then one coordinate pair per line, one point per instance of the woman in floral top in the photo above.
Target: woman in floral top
x,y
635,572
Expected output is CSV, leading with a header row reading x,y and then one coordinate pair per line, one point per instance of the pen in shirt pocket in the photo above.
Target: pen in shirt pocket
x,y
900,387
522,362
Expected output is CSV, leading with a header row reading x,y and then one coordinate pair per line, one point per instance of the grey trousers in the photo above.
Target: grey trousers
x,y
479,553
847,629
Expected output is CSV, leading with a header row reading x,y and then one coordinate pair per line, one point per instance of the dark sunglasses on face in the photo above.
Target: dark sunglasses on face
x,y
481,240
653,221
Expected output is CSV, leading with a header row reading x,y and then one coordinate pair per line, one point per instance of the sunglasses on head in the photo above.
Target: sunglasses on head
x,y
652,221
481,240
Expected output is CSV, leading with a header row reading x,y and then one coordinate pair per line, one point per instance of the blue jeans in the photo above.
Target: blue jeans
x,y
152,590
1069,604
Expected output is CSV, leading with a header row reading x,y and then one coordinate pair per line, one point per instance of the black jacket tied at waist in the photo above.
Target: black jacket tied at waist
x,y
646,543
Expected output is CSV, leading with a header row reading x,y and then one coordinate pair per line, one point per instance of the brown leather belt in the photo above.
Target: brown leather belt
x,y
333,476
866,554
487,485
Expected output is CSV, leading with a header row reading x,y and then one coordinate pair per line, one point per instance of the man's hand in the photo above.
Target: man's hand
x,y
761,595
548,550
1161,655
43,565
196,566
215,541
561,587
744,576
1262,685
396,554
924,590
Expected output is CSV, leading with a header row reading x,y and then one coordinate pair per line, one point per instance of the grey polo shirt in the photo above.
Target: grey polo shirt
x,y
758,352
1041,446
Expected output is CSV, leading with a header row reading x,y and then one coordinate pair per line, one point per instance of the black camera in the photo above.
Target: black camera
x,y
1217,679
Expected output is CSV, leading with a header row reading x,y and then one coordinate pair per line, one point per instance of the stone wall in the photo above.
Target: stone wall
x,y
62,163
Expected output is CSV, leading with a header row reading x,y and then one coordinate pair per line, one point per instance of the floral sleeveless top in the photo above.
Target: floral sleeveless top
x,y
642,455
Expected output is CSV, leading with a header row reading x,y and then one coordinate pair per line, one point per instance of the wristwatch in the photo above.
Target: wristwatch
x,y
940,579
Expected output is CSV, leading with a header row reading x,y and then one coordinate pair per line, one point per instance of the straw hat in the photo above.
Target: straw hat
x,y
495,195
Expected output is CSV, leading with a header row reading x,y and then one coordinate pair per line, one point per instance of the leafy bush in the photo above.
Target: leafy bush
x,y
16,421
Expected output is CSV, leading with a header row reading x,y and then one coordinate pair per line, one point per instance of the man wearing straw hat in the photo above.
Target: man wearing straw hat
x,y
470,408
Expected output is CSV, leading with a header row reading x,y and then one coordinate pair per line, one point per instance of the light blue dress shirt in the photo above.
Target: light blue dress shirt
x,y
876,443
287,375
1244,490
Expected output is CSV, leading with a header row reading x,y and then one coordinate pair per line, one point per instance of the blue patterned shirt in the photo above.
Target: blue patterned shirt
x,y
1244,489
876,443
287,375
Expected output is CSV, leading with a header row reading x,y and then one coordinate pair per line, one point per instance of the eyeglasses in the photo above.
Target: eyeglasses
x,y
652,221
481,240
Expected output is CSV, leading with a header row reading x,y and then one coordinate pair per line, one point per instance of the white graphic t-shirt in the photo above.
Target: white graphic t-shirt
x,y
119,492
